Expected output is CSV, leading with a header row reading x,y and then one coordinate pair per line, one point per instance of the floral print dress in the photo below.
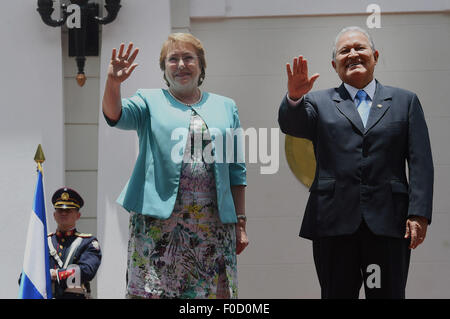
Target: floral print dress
x,y
191,254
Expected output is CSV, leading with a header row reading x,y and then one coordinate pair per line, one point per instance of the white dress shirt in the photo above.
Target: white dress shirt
x,y
369,89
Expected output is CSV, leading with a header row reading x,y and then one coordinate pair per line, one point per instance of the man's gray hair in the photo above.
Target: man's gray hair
x,y
352,28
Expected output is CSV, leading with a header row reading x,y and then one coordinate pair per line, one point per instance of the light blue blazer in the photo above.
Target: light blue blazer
x,y
158,119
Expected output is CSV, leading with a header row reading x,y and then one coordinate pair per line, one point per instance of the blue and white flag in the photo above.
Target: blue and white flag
x,y
36,281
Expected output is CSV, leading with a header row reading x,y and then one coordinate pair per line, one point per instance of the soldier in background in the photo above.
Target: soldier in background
x,y
74,256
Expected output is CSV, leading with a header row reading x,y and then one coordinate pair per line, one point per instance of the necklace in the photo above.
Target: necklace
x,y
187,104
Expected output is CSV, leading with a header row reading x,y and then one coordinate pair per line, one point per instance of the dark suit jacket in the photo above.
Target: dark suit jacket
x,y
361,172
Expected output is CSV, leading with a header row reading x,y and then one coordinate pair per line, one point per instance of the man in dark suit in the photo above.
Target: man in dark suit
x,y
363,215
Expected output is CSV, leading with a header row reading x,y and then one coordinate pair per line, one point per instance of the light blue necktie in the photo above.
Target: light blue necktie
x,y
363,105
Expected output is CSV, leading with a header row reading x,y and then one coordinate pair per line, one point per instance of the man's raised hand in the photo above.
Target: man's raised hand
x,y
298,81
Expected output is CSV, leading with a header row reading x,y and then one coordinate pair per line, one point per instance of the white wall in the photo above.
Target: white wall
x,y
147,25
32,114
81,136
258,8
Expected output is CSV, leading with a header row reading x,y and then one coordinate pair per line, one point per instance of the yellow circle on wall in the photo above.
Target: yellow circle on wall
x,y
301,159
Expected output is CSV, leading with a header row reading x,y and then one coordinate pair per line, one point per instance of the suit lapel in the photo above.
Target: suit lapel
x,y
380,104
347,107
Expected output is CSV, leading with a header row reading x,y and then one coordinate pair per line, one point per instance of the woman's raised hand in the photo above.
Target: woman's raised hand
x,y
121,65
298,81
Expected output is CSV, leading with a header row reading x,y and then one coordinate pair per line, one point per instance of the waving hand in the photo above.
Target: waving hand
x,y
119,69
121,64
298,81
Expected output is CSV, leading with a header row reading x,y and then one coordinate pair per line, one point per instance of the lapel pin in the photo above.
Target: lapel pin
x,y
379,106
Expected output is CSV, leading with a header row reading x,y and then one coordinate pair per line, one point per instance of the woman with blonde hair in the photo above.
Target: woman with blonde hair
x,y
187,212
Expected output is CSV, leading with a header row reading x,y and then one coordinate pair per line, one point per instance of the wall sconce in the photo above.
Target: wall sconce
x,y
83,22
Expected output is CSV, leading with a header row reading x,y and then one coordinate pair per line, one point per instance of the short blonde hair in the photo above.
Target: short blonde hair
x,y
175,38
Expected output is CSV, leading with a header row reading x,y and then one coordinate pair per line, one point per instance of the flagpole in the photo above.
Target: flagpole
x,y
35,282
39,157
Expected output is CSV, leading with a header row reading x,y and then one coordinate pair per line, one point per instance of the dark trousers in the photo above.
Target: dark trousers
x,y
344,263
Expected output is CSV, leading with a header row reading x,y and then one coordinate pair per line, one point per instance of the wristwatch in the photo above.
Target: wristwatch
x,y
243,217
